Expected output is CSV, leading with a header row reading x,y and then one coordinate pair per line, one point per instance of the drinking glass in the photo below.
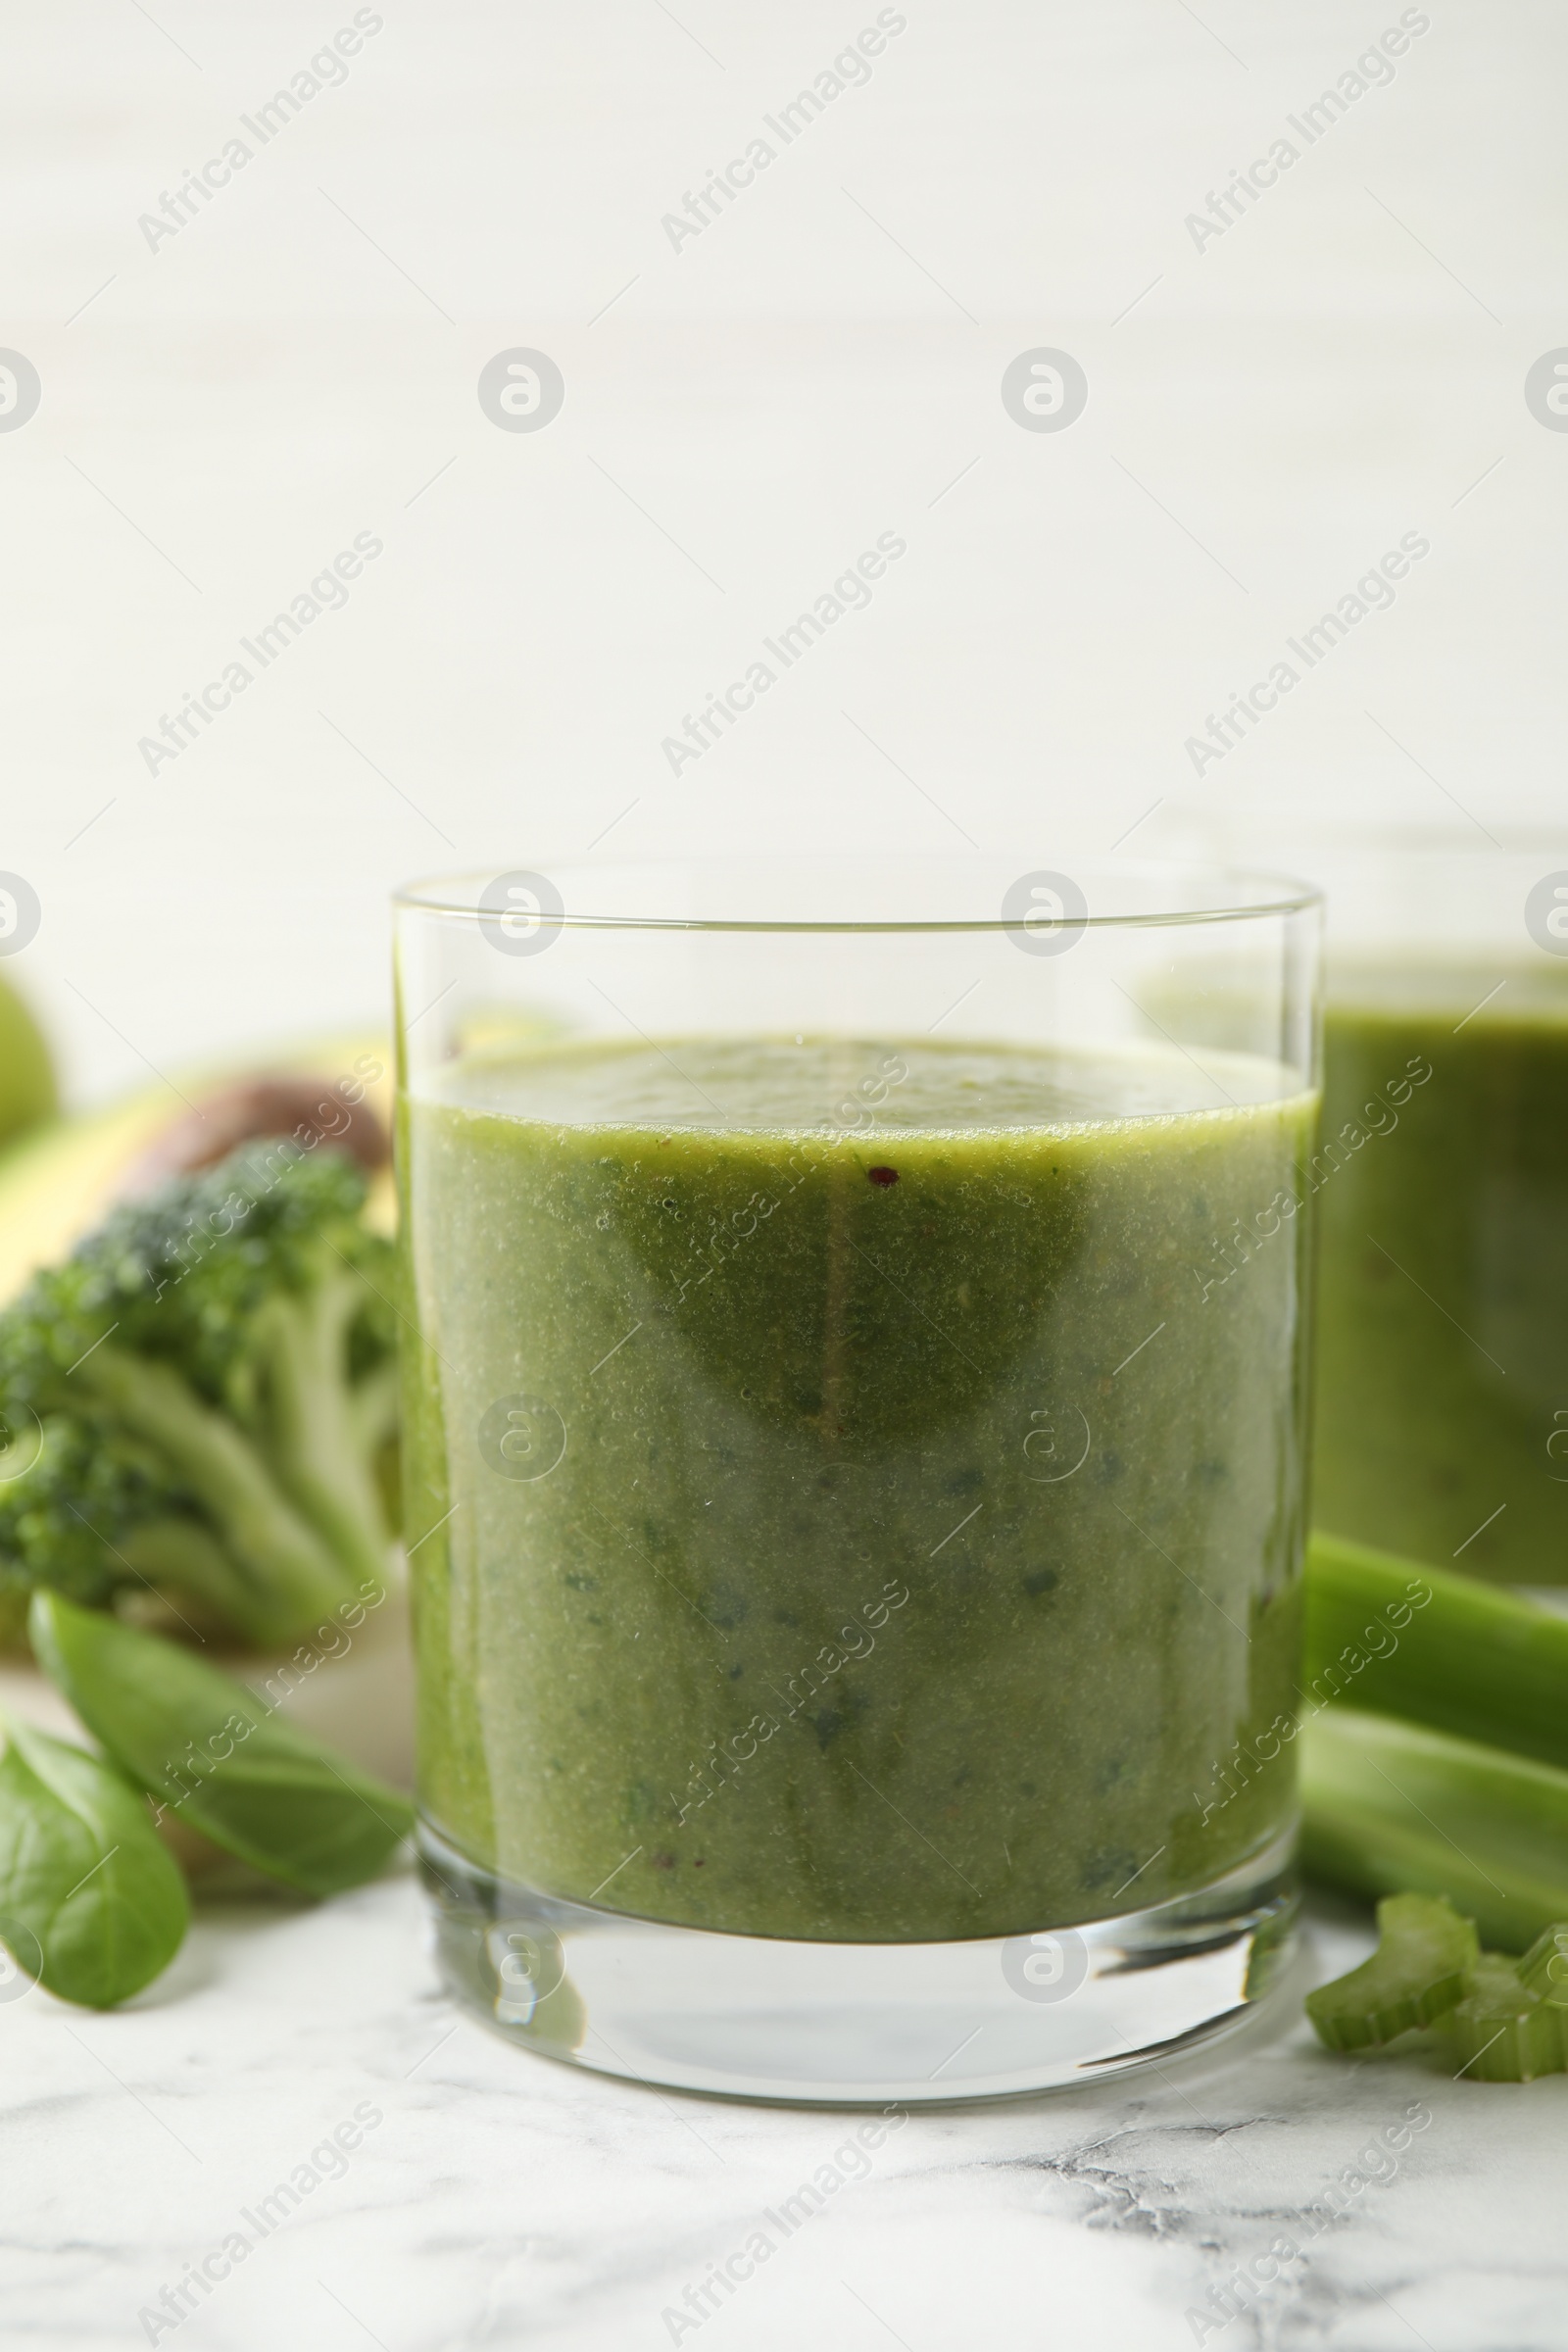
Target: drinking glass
x,y
855,1405
1442,1174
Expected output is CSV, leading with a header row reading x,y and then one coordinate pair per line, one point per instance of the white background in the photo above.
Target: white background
x,y
1342,365
299,364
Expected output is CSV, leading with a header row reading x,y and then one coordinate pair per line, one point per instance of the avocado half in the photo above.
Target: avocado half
x,y
28,1092
60,1181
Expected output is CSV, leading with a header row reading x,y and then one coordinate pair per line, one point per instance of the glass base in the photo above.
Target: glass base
x,y
849,2025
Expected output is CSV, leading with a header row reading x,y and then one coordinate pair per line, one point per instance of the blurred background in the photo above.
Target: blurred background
x,y
235,387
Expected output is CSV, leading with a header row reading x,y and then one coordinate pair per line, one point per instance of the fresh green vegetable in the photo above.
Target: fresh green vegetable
x,y
206,1384
89,1898
1428,1970
27,1093
1397,1638
1392,1808
1424,1956
204,1745
1501,2031
1545,1971
1544,1967
1444,1776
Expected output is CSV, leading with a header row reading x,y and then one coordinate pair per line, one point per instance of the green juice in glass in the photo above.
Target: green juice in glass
x,y
853,1514
1441,1183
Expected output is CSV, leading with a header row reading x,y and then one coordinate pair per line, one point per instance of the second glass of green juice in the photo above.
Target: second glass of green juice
x,y
1440,1182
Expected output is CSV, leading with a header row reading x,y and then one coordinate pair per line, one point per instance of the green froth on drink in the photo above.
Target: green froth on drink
x,y
1442,1336
852,1515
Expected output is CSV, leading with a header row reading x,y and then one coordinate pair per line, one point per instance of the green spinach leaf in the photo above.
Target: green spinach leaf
x,y
216,1755
89,1896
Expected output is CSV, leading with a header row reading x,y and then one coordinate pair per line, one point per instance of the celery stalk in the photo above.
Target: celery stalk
x,y
1393,1808
1470,1660
1544,1967
1422,1965
1544,1970
1501,2031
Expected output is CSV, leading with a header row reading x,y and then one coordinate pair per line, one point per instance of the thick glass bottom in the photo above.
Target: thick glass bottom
x,y
837,2025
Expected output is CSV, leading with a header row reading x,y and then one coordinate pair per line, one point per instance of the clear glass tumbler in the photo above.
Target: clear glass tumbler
x,y
854,1459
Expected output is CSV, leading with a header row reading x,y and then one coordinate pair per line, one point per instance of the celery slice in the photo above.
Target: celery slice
x,y
1544,1967
1420,1968
1394,1808
1469,1660
1545,1971
1501,2031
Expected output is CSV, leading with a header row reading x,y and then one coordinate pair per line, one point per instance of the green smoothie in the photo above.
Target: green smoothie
x,y
1443,1191
853,1510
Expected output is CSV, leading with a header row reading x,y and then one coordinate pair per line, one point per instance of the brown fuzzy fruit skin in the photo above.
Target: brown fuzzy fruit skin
x,y
314,1110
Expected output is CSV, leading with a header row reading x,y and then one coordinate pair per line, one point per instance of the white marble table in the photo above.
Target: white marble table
x,y
504,2200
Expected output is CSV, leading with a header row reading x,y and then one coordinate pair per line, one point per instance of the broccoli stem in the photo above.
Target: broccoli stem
x,y
286,1578
181,1553
373,1402
314,1433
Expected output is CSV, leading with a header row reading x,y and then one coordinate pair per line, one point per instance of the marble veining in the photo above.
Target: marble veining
x,y
484,2199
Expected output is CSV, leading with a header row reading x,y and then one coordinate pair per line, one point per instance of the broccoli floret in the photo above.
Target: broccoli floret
x,y
197,1398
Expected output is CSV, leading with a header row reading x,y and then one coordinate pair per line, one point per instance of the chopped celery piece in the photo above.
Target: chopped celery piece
x,y
1419,1970
1393,1808
1544,1967
1501,2031
1545,1971
1424,1643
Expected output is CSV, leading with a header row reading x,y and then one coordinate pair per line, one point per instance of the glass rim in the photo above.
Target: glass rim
x,y
1185,892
